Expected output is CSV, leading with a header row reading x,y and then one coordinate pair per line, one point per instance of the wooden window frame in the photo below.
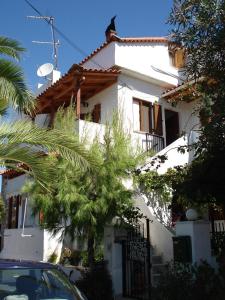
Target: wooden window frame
x,y
177,113
97,113
11,201
149,105
157,119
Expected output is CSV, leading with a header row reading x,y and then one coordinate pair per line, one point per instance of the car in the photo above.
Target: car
x,y
28,280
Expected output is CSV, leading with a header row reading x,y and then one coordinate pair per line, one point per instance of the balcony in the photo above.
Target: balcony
x,y
88,131
153,142
174,156
147,141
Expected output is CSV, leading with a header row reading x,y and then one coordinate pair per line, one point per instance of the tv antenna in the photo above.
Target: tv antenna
x,y
54,43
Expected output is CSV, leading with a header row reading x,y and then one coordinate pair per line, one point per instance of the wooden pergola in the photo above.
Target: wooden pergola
x,y
78,85
186,91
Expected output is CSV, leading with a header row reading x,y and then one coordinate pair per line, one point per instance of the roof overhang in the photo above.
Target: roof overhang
x,y
11,173
89,81
186,91
146,77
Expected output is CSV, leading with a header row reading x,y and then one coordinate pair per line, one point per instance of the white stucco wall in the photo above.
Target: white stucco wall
x,y
108,99
40,244
129,88
88,131
14,185
113,256
32,244
160,236
144,58
174,157
28,247
103,59
199,231
52,244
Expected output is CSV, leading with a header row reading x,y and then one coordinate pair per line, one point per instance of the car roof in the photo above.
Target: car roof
x,y
11,264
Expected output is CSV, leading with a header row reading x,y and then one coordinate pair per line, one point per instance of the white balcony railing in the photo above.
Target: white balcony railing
x,y
88,131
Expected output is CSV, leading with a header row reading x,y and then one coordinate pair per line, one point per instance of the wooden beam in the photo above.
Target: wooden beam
x,y
52,117
92,92
64,92
78,100
77,90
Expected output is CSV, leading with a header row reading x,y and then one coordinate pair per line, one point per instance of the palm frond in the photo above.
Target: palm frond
x,y
44,140
39,167
10,47
3,107
13,88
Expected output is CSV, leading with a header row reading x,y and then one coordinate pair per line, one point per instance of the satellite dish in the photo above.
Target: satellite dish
x,y
45,70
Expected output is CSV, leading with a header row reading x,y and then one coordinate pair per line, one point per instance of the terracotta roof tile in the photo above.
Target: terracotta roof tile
x,y
174,88
181,86
11,173
76,67
144,40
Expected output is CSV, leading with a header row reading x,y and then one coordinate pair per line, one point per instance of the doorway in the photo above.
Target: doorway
x,y
172,126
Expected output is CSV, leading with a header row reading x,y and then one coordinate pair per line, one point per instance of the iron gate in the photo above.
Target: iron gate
x,y
217,236
136,264
217,219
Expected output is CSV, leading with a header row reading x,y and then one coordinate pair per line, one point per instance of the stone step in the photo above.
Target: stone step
x,y
155,279
157,259
122,298
158,268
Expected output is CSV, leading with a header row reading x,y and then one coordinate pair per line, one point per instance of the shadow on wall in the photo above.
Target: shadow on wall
x,y
158,208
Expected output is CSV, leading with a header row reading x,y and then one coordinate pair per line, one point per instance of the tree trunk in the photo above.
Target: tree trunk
x,y
91,251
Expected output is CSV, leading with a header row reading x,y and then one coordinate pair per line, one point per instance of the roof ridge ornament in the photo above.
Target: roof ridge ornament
x,y
111,30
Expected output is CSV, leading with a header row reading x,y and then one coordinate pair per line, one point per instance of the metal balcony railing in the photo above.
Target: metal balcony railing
x,y
153,142
217,236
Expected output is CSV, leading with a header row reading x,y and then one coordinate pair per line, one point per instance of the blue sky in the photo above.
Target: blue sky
x,y
83,22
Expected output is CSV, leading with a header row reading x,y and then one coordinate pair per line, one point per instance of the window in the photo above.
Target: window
x,y
147,117
13,211
96,113
172,126
142,111
178,57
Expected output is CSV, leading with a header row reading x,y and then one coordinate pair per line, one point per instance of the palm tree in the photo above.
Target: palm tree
x,y
22,144
13,90
34,150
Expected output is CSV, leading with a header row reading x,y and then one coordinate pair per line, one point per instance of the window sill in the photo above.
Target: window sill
x,y
142,132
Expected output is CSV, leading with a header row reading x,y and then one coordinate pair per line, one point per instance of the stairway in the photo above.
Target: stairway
x,y
158,268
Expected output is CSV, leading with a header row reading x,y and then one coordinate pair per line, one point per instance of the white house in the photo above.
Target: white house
x,y
136,77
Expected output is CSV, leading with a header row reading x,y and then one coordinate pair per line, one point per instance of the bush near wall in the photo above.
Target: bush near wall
x,y
185,282
96,282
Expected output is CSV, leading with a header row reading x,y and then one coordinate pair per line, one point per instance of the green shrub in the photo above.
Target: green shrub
x,y
78,257
175,283
96,283
185,282
65,256
99,254
53,258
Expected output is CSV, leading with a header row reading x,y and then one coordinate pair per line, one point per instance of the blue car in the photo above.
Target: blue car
x,y
25,280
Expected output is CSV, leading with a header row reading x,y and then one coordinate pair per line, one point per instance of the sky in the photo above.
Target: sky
x,y
83,22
